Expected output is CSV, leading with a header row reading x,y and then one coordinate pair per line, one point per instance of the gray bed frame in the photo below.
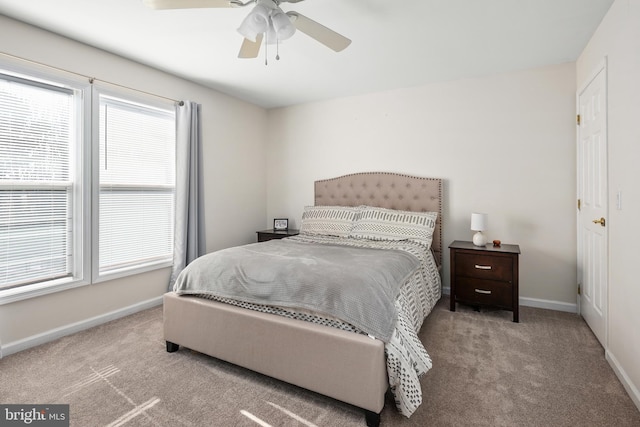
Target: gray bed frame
x,y
345,366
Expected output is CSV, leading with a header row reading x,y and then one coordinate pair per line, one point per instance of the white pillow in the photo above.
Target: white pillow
x,y
328,220
389,224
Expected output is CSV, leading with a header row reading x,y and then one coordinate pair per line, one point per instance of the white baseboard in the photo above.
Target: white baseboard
x,y
628,385
53,334
537,303
549,304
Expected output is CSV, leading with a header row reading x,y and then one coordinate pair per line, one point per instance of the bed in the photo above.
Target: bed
x,y
336,362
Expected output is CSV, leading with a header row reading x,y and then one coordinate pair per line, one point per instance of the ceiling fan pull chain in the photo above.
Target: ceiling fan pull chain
x,y
277,49
266,48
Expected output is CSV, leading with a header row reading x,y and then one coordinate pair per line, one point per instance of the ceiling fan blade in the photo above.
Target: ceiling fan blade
x,y
186,4
319,32
250,49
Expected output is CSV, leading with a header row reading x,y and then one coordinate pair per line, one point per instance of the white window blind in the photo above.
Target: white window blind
x,y
63,146
37,136
136,185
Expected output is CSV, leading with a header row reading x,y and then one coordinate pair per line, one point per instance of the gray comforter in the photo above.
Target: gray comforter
x,y
355,284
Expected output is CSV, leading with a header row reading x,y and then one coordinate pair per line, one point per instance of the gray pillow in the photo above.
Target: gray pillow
x,y
389,224
328,220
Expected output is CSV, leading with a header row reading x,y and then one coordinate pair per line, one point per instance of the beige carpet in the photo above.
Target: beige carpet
x,y
547,370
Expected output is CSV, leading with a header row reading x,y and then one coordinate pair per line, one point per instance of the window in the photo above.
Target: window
x,y
87,182
137,182
40,237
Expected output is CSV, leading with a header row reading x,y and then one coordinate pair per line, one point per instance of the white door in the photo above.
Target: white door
x,y
592,204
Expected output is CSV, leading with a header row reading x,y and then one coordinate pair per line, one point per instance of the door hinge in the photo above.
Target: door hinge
x,y
579,204
578,119
578,288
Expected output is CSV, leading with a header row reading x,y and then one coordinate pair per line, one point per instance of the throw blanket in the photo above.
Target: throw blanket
x,y
355,284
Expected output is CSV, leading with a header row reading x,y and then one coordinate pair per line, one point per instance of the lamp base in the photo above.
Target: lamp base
x,y
479,239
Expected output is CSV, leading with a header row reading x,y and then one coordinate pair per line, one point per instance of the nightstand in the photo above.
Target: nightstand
x,y
485,276
265,235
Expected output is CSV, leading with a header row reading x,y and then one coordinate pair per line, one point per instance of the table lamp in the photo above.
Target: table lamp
x,y
479,223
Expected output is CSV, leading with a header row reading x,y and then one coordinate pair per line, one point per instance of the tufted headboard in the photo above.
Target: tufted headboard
x,y
385,190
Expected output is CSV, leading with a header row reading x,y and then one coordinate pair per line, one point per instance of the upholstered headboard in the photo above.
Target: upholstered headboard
x,y
386,190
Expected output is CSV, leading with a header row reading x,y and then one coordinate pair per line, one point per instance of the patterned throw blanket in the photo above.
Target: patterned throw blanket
x,y
412,289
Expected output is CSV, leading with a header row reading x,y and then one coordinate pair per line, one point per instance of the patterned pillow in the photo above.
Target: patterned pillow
x,y
389,224
328,220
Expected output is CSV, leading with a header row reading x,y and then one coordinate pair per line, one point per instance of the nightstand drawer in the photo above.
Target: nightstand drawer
x,y
484,266
487,292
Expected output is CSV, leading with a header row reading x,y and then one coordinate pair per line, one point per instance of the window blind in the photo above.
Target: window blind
x,y
37,133
137,182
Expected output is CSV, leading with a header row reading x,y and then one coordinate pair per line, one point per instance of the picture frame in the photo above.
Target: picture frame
x,y
281,224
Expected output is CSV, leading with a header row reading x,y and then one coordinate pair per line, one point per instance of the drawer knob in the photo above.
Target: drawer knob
x,y
482,291
483,267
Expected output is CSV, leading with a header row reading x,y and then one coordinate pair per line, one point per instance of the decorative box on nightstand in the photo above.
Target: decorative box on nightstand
x,y
265,235
485,275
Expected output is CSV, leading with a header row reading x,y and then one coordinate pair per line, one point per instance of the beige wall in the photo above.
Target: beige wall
x,y
235,191
618,39
505,145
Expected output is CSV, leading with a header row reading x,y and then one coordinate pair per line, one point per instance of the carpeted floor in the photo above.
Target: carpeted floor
x,y
547,370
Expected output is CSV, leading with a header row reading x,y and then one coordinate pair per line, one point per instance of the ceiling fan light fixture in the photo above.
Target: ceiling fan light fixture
x,y
267,18
282,24
256,22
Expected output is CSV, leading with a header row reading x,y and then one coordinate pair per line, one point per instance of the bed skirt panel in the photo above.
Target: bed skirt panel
x,y
343,365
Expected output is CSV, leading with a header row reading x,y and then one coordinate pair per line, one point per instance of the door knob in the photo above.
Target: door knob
x,y
600,221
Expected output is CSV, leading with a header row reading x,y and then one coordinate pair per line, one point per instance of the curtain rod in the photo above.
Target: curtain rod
x,y
89,78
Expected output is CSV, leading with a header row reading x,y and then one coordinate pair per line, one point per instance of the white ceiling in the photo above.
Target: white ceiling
x,y
395,43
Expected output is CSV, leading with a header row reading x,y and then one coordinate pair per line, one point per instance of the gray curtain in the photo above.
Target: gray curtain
x,y
189,238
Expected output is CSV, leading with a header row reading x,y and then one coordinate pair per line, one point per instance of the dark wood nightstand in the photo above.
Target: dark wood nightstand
x,y
485,276
265,235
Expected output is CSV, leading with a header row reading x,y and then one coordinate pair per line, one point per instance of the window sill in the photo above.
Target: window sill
x,y
32,291
9,296
124,272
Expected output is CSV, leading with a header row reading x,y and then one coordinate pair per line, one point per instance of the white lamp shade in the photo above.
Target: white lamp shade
x,y
282,24
479,221
267,18
256,22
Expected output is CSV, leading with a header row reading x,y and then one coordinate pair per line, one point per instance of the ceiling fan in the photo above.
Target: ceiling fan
x,y
266,19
